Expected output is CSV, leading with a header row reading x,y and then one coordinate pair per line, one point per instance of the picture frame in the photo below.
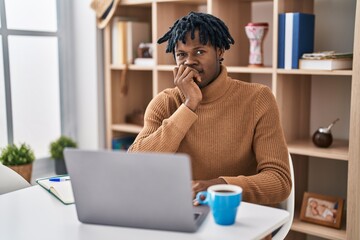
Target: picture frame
x,y
322,209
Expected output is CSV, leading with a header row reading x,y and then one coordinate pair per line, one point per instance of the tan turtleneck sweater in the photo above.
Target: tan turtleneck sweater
x,y
235,133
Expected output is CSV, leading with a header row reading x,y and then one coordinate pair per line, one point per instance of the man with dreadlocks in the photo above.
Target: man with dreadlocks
x,y
229,128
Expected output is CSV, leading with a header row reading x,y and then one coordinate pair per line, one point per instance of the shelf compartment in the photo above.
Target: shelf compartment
x,y
317,230
339,150
126,127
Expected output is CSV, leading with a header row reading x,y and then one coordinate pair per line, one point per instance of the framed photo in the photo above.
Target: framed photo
x,y
321,209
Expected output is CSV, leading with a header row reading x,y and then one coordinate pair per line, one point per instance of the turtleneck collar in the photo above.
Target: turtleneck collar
x,y
216,88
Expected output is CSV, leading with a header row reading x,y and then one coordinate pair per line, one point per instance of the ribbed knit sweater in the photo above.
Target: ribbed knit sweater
x,y
235,133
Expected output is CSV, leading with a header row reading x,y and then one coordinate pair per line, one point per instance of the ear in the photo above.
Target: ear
x,y
220,52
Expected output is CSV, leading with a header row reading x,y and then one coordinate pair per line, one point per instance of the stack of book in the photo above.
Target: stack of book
x,y
296,37
328,60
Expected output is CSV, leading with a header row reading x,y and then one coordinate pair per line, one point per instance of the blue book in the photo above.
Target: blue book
x,y
122,143
281,41
296,36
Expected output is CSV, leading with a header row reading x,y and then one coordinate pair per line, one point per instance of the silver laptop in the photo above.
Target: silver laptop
x,y
141,190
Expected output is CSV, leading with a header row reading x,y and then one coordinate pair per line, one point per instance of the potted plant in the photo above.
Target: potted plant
x,y
19,158
56,152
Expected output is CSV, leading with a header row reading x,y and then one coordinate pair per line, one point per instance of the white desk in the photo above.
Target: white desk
x,y
33,213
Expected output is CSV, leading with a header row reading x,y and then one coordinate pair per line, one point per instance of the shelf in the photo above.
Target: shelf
x,y
125,127
183,1
298,92
317,230
165,67
232,69
338,150
315,72
136,2
132,67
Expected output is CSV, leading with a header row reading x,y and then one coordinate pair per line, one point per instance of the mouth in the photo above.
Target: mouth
x,y
200,71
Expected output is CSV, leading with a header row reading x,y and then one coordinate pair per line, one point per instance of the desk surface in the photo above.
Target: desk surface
x,y
33,213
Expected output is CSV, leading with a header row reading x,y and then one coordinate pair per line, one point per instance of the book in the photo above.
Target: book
x,y
281,41
122,143
296,37
62,190
326,64
119,43
327,55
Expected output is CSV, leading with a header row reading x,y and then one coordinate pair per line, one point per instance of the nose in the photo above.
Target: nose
x,y
190,60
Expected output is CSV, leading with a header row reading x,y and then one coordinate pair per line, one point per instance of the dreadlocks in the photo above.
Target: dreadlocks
x,y
210,29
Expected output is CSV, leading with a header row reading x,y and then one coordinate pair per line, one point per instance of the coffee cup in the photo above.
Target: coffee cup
x,y
223,200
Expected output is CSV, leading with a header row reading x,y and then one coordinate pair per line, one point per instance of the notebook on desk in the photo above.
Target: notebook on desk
x,y
142,190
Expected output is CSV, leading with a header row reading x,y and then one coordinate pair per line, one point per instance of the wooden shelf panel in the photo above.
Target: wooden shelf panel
x,y
338,150
317,230
233,69
125,127
196,1
230,69
183,1
238,69
136,2
165,67
315,72
131,67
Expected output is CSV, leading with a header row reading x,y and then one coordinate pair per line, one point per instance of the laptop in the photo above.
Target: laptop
x,y
140,190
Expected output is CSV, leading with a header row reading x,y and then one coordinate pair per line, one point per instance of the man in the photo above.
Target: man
x,y
230,129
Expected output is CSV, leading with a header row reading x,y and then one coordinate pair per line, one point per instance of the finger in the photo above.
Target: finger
x,y
194,74
186,72
194,185
195,202
181,73
175,71
197,78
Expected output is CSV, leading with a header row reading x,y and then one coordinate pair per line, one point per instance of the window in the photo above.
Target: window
x,y
30,73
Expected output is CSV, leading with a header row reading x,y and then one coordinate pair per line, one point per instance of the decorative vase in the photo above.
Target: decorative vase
x,y
60,166
256,32
24,170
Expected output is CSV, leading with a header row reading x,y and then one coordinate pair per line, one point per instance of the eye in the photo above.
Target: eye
x,y
180,55
200,52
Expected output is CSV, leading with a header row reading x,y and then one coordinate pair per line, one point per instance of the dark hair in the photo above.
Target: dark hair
x,y
210,29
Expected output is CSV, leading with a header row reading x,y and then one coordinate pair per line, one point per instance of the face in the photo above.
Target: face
x,y
313,203
203,58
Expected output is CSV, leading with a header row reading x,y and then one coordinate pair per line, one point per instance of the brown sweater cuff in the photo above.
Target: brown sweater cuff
x,y
183,118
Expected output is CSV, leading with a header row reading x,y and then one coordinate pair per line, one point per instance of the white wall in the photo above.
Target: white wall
x,y
87,94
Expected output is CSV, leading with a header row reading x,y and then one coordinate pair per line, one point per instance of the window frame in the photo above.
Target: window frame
x,y
64,35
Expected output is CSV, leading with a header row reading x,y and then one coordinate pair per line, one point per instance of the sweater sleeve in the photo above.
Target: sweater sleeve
x,y
165,125
272,183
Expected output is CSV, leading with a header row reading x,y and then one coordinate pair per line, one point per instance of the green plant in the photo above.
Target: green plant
x,y
13,155
57,147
